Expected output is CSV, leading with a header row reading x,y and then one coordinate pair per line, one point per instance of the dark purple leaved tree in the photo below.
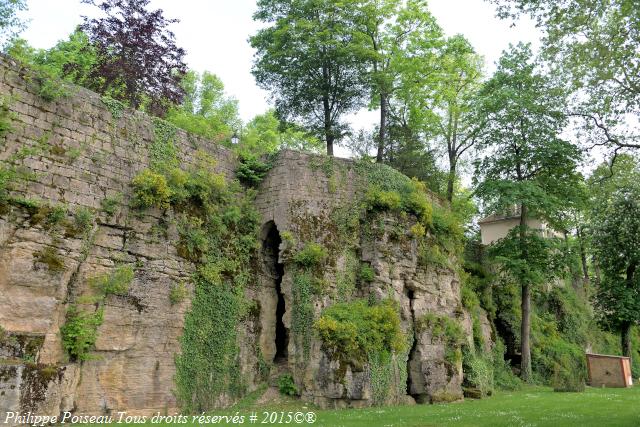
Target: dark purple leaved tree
x,y
138,60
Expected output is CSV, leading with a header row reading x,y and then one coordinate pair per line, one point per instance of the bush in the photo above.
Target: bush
x,y
313,254
478,370
378,199
193,238
417,230
353,330
79,333
114,283
503,376
151,190
110,204
367,273
447,230
415,201
566,379
83,220
252,170
287,386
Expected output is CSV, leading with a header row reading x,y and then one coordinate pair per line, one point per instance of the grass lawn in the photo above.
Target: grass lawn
x,y
534,406
530,407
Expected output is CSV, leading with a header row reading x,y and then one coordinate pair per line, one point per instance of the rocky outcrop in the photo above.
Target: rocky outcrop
x,y
92,151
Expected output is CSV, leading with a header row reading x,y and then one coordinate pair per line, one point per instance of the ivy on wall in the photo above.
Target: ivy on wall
x,y
218,228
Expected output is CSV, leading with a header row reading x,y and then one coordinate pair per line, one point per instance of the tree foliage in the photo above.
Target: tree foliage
x,y
265,133
72,59
205,109
305,58
10,23
595,44
616,243
138,60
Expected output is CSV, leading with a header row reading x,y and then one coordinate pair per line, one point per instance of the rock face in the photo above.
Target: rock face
x,y
94,151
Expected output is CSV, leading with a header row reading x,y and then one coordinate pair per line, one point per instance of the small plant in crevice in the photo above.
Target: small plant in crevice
x,y
110,204
115,282
367,273
311,255
6,116
287,386
178,293
115,107
82,222
49,256
80,331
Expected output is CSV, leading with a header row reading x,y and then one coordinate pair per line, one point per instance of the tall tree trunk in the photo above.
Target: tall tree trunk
x,y
382,136
583,257
328,128
625,332
451,179
625,338
525,325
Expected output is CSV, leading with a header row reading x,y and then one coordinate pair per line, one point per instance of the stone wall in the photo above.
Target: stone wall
x,y
93,151
96,155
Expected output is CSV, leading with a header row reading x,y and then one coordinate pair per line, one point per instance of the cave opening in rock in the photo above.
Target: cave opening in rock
x,y
270,249
414,341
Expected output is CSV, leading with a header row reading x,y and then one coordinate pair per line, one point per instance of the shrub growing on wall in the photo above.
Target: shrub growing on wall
x,y
351,331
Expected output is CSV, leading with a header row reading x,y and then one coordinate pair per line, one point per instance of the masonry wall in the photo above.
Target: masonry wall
x,y
95,156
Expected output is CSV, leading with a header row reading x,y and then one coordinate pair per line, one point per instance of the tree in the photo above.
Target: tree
x,y
10,23
596,44
265,134
72,59
407,151
616,241
305,58
205,109
454,122
373,19
526,164
138,60
385,29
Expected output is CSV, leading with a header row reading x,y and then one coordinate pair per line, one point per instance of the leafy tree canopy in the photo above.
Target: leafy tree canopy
x,y
616,243
266,134
595,44
526,162
10,23
305,59
138,60
205,110
72,59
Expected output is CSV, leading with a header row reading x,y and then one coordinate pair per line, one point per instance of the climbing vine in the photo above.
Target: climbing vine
x,y
302,315
163,153
217,224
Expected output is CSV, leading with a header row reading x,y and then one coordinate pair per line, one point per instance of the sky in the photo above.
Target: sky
x,y
215,35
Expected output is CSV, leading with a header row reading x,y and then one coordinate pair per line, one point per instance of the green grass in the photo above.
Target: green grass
x,y
534,406
530,407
